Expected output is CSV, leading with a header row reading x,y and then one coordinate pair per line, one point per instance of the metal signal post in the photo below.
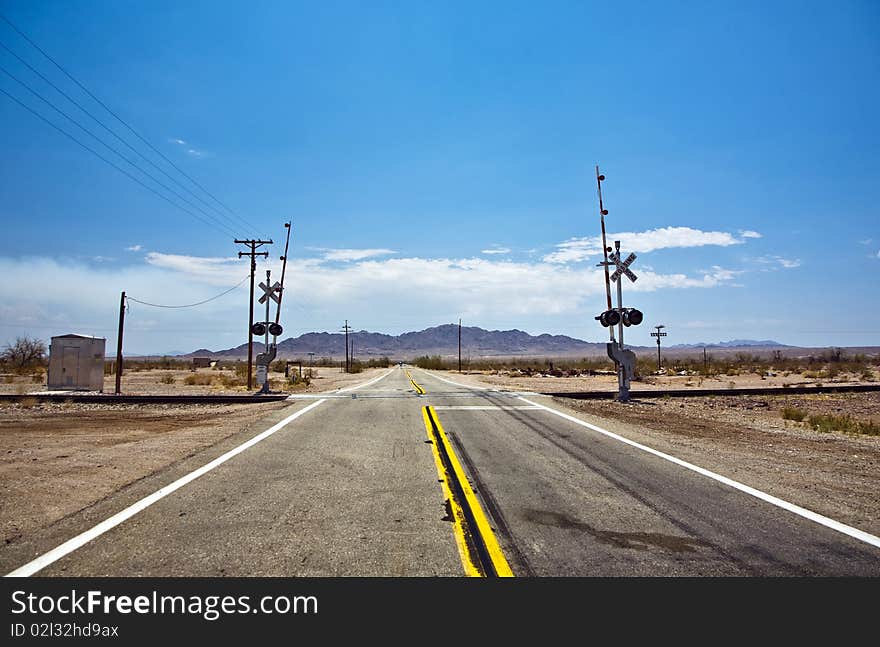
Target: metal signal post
x,y
288,226
605,249
624,360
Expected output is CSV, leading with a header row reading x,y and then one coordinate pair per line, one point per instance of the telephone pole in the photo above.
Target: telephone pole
x,y
658,335
253,253
459,346
346,328
119,344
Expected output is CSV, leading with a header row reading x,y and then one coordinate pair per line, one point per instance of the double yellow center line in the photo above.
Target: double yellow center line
x,y
479,549
412,381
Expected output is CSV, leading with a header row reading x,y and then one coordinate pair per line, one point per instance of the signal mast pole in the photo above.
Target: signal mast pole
x,y
287,225
602,213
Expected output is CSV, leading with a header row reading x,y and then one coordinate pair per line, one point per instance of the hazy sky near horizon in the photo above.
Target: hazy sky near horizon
x,y
437,161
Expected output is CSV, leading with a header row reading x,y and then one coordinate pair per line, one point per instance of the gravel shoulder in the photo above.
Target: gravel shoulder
x,y
218,382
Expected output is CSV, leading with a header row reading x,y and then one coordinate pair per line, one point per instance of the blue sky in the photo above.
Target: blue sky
x,y
437,160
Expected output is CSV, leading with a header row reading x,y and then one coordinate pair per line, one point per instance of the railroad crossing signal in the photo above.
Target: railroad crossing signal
x,y
273,292
622,267
260,328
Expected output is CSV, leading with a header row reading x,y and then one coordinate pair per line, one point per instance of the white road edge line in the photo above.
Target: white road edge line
x,y
769,498
360,386
467,386
482,388
80,540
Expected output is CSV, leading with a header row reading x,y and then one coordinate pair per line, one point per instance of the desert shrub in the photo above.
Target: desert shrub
x,y
296,380
869,428
23,354
844,423
198,379
793,413
830,422
379,362
230,381
433,362
168,378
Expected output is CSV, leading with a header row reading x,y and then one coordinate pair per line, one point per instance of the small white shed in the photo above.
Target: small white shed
x,y
76,363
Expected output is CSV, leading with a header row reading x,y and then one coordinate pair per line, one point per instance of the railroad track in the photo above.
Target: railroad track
x,y
688,393
94,398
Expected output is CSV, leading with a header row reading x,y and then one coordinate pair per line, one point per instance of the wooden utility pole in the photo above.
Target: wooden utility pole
x,y
658,335
253,253
346,328
459,346
119,344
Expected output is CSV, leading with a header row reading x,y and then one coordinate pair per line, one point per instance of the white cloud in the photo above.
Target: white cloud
x,y
748,233
866,241
496,250
776,262
134,248
190,149
353,254
85,298
579,249
211,270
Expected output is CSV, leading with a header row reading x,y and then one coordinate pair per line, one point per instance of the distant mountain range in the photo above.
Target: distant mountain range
x,y
443,340
735,343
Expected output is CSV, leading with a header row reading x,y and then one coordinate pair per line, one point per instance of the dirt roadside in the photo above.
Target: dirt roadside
x,y
211,382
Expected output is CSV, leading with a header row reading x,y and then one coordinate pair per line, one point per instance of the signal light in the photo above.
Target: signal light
x,y
276,329
609,318
601,177
632,317
258,329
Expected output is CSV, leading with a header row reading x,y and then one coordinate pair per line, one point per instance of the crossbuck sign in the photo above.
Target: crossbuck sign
x,y
270,292
622,267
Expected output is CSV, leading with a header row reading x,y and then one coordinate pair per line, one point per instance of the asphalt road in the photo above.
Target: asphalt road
x,y
355,486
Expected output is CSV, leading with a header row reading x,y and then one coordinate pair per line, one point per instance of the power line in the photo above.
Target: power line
x,y
105,160
113,150
191,305
122,121
112,132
